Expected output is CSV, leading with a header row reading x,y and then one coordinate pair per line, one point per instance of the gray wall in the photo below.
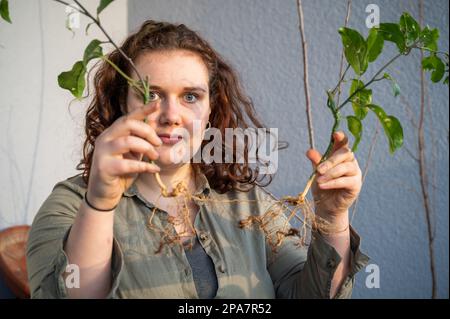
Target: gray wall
x,y
261,39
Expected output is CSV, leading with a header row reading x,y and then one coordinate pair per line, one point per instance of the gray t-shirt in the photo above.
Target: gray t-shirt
x,y
203,271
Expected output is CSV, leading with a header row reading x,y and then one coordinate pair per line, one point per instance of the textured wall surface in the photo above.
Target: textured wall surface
x,y
40,136
261,39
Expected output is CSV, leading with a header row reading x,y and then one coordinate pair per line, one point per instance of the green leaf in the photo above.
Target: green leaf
x,y
87,27
92,51
391,32
429,38
73,80
375,43
446,80
392,128
4,11
355,49
355,127
360,99
395,86
434,63
409,27
103,4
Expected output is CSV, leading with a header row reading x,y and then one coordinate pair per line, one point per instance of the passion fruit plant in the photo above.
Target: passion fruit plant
x,y
359,53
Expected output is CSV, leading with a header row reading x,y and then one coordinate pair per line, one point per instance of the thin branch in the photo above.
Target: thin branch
x,y
422,169
341,79
347,18
97,22
305,74
409,111
374,78
411,154
432,51
366,166
433,182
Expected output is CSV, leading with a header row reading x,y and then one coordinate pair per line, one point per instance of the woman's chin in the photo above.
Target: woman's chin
x,y
166,162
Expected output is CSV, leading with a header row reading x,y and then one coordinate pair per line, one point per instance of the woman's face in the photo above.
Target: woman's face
x,y
179,93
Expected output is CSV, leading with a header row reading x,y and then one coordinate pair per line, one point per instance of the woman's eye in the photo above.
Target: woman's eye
x,y
190,98
153,96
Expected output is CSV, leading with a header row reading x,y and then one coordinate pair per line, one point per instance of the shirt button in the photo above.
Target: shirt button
x,y
222,268
203,236
331,263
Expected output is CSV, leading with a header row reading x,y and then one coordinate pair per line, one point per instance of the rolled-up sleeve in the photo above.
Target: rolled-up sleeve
x,y
306,271
46,259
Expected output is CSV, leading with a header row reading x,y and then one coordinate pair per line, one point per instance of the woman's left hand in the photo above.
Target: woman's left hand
x,y
338,180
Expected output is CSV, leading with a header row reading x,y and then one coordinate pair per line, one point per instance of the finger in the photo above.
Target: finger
x,y
128,126
126,166
341,155
314,156
140,113
340,140
127,144
342,169
347,182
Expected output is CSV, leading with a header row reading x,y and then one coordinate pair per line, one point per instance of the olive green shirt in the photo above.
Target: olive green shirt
x,y
245,264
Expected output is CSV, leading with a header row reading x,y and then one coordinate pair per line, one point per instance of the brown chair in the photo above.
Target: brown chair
x,y
13,266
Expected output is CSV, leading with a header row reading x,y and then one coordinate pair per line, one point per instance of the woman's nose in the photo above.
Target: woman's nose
x,y
170,112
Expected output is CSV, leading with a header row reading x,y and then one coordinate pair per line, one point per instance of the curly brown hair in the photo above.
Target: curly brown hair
x,y
230,107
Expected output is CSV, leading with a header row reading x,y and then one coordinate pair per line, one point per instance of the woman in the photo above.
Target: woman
x,y
91,237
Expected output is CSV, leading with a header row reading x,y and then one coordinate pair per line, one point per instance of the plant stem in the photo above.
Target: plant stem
x,y
85,12
423,171
144,90
337,116
335,112
337,120
130,81
306,74
374,78
341,64
341,79
97,22
433,51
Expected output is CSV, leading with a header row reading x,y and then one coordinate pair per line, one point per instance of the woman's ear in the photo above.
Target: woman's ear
x,y
123,109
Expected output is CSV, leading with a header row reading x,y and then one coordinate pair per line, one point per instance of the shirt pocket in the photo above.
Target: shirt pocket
x,y
137,241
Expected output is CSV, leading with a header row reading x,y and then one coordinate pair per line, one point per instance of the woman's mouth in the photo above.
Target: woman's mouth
x,y
170,138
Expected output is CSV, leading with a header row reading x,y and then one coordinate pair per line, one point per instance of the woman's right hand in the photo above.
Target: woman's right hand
x,y
117,158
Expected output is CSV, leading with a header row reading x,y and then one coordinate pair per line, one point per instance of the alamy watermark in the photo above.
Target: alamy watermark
x,y
72,280
239,145
373,19
373,278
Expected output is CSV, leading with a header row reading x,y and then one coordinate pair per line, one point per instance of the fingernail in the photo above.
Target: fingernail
x,y
322,168
321,179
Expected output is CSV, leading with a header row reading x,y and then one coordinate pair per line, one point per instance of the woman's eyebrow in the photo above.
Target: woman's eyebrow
x,y
186,88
